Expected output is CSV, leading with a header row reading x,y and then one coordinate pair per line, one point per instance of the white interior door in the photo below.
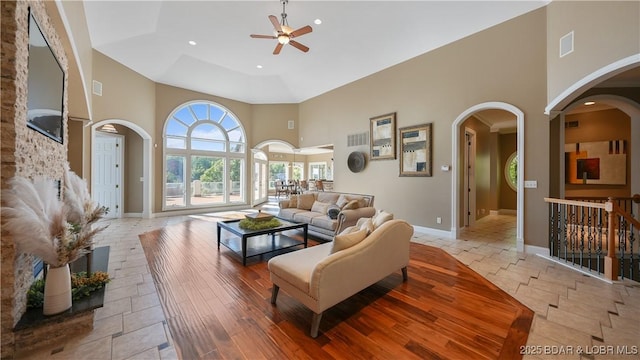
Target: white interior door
x,y
260,178
107,173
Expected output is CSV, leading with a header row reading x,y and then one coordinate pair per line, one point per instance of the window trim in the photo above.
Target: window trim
x,y
188,153
507,164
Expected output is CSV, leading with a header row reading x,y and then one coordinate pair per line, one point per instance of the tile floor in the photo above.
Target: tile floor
x,y
574,312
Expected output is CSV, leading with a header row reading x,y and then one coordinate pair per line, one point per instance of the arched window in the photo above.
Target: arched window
x,y
511,171
205,151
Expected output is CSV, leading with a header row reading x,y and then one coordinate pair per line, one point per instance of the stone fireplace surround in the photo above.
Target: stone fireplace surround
x,y
24,152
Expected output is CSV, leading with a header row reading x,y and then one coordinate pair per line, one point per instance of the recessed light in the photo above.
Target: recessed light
x,y
191,42
317,21
259,66
589,103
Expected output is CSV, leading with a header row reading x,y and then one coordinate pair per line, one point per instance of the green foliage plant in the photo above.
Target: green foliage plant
x,y
81,286
250,224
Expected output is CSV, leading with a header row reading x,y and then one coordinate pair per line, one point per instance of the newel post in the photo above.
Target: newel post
x,y
611,261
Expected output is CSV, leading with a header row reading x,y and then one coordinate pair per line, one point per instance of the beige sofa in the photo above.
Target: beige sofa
x,y
320,279
312,206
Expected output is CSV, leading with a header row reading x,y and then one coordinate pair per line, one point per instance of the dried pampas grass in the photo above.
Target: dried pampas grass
x,y
58,232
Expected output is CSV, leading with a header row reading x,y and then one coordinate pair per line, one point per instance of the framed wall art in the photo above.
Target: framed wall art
x,y
415,150
600,162
383,137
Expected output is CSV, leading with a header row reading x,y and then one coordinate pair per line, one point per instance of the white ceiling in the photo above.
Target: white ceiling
x,y
355,39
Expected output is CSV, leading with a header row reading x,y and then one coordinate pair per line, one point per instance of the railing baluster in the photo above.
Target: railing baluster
x,y
589,238
600,228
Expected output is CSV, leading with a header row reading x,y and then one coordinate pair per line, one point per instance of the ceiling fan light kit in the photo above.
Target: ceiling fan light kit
x,y
283,33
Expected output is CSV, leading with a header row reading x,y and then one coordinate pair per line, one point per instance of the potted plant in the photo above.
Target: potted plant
x,y
56,230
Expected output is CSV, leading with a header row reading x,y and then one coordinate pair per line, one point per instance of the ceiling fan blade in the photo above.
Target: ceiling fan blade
x,y
276,51
298,46
262,36
303,30
276,24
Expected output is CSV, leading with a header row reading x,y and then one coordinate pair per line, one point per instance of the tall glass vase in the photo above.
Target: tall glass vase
x,y
57,290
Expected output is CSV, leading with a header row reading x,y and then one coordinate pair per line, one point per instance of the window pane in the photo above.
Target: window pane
x,y
216,113
236,172
200,110
176,128
277,171
207,180
208,131
236,148
175,185
229,122
236,135
207,145
185,116
176,143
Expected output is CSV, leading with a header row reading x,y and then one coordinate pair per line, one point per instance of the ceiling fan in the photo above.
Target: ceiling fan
x,y
283,33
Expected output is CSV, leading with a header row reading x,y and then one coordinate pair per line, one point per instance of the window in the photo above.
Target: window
x,y
318,170
204,146
511,171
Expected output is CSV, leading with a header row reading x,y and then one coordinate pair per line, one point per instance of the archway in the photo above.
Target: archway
x,y
147,148
455,181
627,106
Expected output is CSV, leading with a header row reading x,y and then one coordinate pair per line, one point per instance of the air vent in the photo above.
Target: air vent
x,y
358,139
566,44
97,88
291,124
571,124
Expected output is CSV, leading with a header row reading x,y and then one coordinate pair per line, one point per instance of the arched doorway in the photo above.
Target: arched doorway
x,y
147,186
458,159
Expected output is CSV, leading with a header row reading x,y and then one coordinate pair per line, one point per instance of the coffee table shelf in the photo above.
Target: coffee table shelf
x,y
248,243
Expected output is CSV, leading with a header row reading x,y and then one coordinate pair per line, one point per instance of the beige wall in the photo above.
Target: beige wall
x,y
508,196
602,125
133,171
604,32
270,122
437,87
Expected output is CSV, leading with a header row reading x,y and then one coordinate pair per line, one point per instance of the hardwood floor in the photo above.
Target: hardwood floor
x,y
217,308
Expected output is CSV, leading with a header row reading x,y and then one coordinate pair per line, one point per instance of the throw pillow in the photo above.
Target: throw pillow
x,y
341,242
293,201
367,225
319,207
305,201
381,217
333,211
342,200
353,204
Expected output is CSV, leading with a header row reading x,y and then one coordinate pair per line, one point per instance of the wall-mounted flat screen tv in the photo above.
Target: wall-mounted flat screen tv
x,y
45,92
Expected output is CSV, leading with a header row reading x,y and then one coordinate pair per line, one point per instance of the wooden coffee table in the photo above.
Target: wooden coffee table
x,y
248,243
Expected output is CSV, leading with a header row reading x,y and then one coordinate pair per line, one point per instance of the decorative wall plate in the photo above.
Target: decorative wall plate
x,y
356,161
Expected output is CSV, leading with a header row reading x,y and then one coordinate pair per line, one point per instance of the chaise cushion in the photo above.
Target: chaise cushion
x,y
345,241
368,226
296,269
380,218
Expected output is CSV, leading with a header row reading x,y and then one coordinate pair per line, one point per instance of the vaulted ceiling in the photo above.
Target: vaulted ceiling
x,y
355,39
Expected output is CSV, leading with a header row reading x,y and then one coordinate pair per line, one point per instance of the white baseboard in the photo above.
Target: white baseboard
x,y
199,211
575,268
537,250
508,212
494,212
132,215
433,232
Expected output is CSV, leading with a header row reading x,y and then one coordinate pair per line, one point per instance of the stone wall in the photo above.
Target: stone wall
x,y
24,152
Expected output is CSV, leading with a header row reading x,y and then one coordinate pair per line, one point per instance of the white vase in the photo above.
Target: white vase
x,y
57,290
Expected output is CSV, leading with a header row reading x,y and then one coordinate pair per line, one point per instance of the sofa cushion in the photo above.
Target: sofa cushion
x,y
293,201
345,241
324,222
327,197
380,218
307,216
320,207
305,201
289,213
333,211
